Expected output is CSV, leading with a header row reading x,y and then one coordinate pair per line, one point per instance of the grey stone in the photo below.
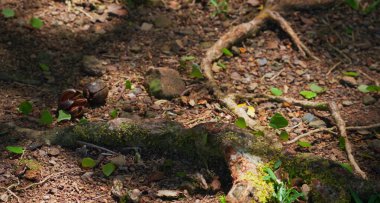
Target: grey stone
x,y
146,26
164,83
235,76
317,124
308,117
368,100
92,66
262,61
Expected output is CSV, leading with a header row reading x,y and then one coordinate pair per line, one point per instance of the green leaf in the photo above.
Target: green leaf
x,y
370,8
227,52
108,169
25,107
128,84
355,196
8,13
284,136
363,88
276,91
196,72
62,116
258,133
315,88
88,162
83,121
155,86
240,122
222,199
351,73
271,174
353,3
36,22
222,65
304,144
44,67
46,118
114,113
373,88
278,121
346,166
15,149
277,164
342,143
308,94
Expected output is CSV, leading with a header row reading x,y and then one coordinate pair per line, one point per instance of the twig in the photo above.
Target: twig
x,y
333,67
342,130
330,130
96,146
376,125
279,72
42,181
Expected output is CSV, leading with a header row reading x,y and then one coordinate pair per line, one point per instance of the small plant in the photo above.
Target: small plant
x,y
240,122
222,199
128,84
221,7
108,169
36,22
227,52
281,193
15,149
276,91
46,118
8,13
114,113
308,94
88,162
25,107
278,121
63,116
196,72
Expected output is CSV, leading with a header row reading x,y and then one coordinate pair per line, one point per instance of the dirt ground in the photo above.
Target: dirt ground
x,y
342,38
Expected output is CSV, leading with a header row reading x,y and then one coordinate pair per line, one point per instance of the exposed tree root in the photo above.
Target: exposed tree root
x,y
342,130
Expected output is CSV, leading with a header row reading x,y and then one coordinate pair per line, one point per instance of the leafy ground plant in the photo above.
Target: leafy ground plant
x,y
25,107
8,13
15,149
221,6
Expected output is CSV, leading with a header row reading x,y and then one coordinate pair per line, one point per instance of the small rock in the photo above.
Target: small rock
x,y
235,76
262,61
368,100
92,66
164,83
253,3
305,189
146,26
119,160
317,124
46,197
169,193
53,151
162,21
4,197
347,103
252,86
87,176
308,117
33,175
350,81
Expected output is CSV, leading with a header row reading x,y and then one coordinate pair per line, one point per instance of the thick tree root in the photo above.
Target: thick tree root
x,y
245,154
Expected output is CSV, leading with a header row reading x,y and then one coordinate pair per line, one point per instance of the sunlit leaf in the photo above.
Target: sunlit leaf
x,y
304,144
227,52
15,149
363,88
240,122
8,13
278,121
222,199
88,162
351,73
196,72
346,166
316,88
62,116
108,169
276,91
46,118
36,22
251,111
25,107
373,88
277,164
308,94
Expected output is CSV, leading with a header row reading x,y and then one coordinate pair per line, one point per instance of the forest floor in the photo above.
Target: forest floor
x,y
159,36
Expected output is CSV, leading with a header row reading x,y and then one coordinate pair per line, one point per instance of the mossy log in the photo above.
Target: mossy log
x,y
244,153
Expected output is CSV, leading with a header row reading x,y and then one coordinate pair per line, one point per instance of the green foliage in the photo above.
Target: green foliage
x,y
355,197
128,84
187,58
227,52
353,3
284,136
62,116
258,133
15,149
346,166
342,143
36,22
25,107
83,121
46,118
221,64
308,94
196,72
108,169
221,6
316,88
304,144
240,122
277,164
8,13
222,199
351,73
282,193
44,67
276,91
370,8
278,121
373,88
113,113
155,86
363,88
88,162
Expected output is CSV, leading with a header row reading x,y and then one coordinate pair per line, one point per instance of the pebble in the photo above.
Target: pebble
x,y
317,124
347,103
146,26
235,76
368,100
262,61
46,197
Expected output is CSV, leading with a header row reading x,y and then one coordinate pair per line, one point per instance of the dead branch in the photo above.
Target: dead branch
x,y
330,130
376,125
342,130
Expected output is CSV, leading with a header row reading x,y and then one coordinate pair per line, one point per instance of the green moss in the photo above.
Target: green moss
x,y
264,189
31,164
